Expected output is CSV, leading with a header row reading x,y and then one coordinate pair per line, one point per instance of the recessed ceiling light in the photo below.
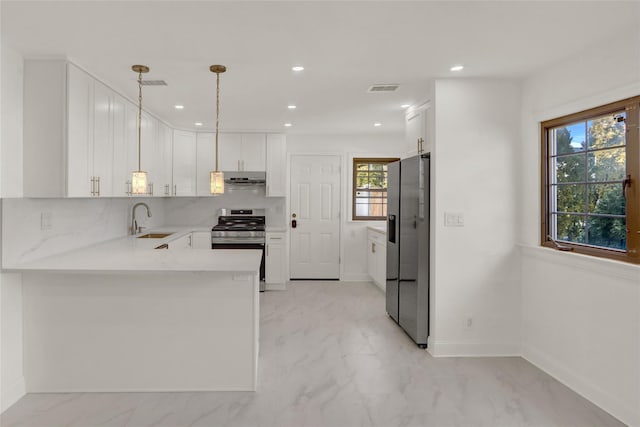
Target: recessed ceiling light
x,y
457,68
405,106
291,107
288,125
179,107
377,124
198,123
297,68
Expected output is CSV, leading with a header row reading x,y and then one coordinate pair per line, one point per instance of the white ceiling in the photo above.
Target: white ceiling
x,y
344,46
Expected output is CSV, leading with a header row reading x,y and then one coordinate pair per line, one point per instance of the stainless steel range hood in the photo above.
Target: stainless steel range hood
x,y
245,179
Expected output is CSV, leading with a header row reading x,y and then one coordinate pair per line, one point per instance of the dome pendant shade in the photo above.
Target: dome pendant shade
x,y
217,182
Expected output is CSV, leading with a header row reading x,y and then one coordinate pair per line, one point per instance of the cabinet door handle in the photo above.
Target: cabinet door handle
x,y
93,185
150,189
175,189
167,189
373,248
98,179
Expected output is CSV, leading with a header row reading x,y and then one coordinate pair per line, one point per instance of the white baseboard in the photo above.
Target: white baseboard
x,y
12,394
628,414
439,348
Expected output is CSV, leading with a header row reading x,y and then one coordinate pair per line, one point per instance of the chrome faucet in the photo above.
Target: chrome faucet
x,y
134,223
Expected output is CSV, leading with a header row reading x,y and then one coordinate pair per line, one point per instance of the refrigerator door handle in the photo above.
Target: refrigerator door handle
x,y
391,228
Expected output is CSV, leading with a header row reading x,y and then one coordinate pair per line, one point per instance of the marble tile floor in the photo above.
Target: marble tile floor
x,y
330,356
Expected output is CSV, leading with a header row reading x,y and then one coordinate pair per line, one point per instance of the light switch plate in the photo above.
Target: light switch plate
x,y
454,219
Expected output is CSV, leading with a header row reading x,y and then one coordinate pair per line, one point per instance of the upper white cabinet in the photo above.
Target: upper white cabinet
x,y
71,122
276,165
80,113
184,160
125,146
165,160
416,129
242,152
205,162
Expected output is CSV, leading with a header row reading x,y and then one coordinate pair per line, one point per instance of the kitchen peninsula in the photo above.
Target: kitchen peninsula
x,y
123,316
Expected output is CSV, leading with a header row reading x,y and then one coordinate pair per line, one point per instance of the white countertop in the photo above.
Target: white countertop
x,y
132,254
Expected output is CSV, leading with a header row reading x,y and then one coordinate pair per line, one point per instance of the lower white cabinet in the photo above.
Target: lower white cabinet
x,y
275,258
377,257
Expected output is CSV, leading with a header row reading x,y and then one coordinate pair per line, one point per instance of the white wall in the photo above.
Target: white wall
x,y
475,267
353,233
12,384
12,67
581,315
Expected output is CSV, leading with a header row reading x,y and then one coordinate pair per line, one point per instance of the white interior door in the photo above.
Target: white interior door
x,y
315,206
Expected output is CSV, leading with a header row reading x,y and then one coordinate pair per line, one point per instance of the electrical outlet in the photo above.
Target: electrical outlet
x,y
453,219
46,220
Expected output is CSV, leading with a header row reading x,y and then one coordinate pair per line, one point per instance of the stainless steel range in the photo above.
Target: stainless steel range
x,y
241,229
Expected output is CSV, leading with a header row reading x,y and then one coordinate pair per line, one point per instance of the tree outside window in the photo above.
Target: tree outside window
x,y
590,164
370,188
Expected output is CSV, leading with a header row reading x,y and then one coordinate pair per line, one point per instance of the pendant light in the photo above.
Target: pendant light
x,y
139,177
216,178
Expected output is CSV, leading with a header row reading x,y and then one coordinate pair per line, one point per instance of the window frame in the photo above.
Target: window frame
x,y
354,186
632,108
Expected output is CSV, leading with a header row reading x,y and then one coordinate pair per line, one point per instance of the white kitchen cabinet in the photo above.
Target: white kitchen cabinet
x,y
242,152
164,160
205,162
201,240
275,258
125,143
253,152
377,257
80,110
417,124
276,165
184,161
157,156
95,126
230,151
103,134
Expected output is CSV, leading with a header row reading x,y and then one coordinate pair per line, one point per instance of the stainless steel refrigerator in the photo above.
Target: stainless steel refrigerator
x,y
408,245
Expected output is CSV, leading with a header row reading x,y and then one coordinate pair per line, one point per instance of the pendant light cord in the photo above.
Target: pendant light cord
x,y
139,114
217,114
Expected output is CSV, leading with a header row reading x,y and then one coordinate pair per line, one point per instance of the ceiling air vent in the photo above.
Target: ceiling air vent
x,y
154,83
383,88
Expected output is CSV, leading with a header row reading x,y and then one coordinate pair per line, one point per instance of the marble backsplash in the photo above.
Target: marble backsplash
x,y
203,211
36,228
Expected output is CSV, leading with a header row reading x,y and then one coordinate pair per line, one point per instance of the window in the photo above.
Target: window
x,y
370,189
591,199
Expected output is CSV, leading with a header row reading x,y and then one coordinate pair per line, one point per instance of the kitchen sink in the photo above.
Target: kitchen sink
x,y
154,235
